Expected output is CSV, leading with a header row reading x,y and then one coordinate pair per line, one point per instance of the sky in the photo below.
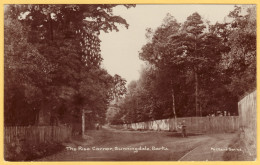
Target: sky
x,y
120,50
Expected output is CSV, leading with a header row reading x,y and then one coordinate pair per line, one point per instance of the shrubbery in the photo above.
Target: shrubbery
x,y
21,150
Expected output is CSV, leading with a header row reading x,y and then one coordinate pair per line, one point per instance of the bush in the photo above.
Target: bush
x,y
21,150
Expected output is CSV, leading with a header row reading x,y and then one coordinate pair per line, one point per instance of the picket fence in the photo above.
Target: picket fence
x,y
37,134
194,124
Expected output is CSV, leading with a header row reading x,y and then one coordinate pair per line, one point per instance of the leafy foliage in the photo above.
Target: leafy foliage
x,y
194,68
26,72
52,62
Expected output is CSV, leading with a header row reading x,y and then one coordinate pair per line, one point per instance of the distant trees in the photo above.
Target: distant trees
x,y
194,68
52,62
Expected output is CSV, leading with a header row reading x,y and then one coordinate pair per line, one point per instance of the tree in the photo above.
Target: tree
x,y
67,36
167,51
218,60
242,56
237,66
26,73
193,28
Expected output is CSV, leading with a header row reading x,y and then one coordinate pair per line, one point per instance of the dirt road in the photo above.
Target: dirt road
x,y
211,150
120,145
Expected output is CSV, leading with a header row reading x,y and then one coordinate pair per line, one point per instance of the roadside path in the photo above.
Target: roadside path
x,y
211,150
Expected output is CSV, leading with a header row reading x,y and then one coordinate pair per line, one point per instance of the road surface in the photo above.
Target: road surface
x,y
122,145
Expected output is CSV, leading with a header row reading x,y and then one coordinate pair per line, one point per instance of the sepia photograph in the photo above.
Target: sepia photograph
x,y
129,82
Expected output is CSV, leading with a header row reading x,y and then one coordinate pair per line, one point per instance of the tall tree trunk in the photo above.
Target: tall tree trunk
x,y
173,106
200,110
83,124
196,92
196,79
51,28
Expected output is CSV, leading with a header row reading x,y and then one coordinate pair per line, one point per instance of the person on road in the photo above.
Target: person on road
x,y
97,126
183,129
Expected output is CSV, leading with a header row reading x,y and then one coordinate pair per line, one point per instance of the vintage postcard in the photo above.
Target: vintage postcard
x,y
127,81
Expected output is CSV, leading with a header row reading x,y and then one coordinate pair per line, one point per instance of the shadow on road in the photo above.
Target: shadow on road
x,y
177,134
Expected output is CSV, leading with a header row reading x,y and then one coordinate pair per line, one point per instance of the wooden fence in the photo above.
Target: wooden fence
x,y
37,134
247,112
194,124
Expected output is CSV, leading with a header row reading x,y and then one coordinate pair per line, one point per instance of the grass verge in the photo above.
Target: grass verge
x,y
237,151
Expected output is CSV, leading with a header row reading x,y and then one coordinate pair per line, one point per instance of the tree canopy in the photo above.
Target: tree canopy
x,y
194,68
53,62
